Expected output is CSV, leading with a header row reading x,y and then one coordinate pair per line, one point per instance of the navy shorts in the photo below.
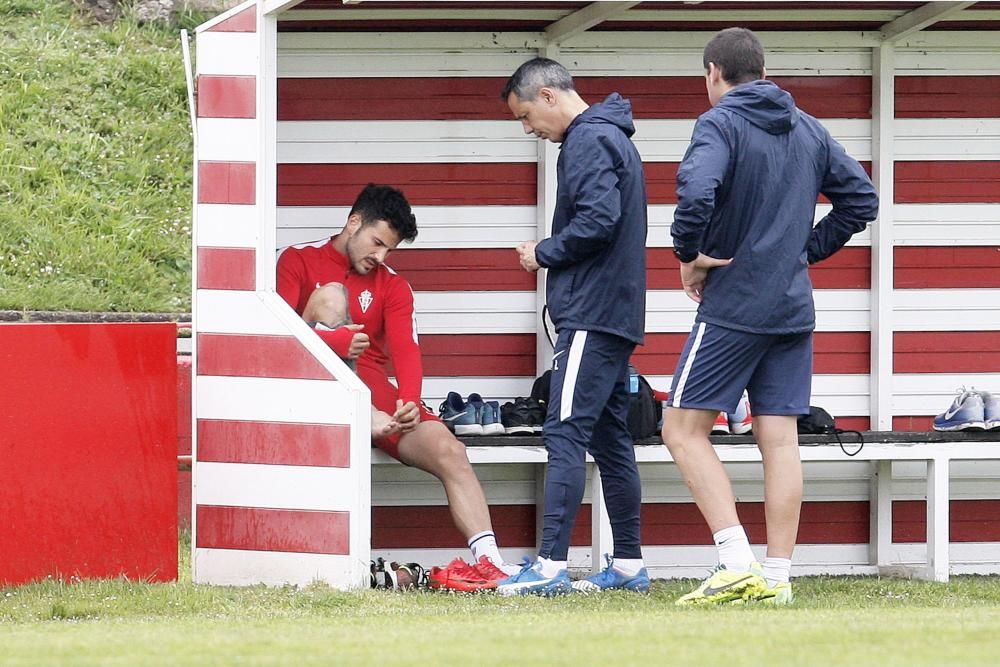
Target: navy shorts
x,y
717,364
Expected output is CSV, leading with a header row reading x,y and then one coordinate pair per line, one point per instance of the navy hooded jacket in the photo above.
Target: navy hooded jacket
x,y
747,190
596,256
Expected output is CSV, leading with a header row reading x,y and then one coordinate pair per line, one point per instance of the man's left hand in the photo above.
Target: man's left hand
x,y
694,274
526,253
407,415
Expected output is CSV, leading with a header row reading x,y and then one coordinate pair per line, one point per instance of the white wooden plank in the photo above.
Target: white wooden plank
x,y
234,311
417,141
947,310
227,53
227,226
440,226
276,486
947,138
227,139
932,393
970,58
273,400
233,567
947,224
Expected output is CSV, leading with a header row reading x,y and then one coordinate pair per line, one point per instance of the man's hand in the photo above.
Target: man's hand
x,y
694,273
359,343
526,253
407,415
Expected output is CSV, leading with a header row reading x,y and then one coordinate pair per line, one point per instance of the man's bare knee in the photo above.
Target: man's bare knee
x,y
328,304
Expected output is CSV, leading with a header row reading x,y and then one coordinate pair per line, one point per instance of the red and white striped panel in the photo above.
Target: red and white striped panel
x,y
404,110
281,468
439,131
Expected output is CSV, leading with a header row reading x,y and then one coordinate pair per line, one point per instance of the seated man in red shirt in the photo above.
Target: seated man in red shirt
x,y
383,327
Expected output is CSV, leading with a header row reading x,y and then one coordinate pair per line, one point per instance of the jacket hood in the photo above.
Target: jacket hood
x,y
615,110
763,104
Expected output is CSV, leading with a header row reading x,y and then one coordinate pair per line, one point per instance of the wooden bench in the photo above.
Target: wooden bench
x,y
881,448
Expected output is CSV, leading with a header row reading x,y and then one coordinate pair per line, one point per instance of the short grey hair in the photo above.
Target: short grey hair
x,y
534,75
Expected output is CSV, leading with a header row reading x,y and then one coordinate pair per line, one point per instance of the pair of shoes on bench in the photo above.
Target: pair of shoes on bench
x,y
971,411
472,417
739,422
523,416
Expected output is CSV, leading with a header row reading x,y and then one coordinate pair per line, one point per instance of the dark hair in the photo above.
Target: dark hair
x,y
738,53
384,202
535,74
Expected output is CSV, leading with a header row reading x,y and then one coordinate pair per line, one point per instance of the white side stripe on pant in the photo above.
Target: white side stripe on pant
x,y
572,370
675,400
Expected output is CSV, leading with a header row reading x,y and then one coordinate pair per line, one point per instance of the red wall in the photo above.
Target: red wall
x,y
88,438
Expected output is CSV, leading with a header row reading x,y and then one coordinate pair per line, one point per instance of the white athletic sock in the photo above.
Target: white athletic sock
x,y
627,566
485,544
734,548
777,570
550,568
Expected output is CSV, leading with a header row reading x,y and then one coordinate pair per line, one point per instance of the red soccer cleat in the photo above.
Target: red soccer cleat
x,y
459,576
489,571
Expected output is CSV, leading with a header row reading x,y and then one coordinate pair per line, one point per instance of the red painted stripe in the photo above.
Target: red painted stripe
x,y
922,423
227,182
245,21
324,445
970,520
183,404
447,270
947,96
946,267
490,355
680,524
848,269
856,423
947,181
451,184
834,352
945,352
243,355
476,98
257,529
227,268
227,96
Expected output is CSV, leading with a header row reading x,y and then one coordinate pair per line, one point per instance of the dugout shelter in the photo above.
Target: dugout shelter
x,y
302,102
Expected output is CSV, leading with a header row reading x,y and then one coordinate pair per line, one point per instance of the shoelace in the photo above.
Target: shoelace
x,y
526,565
488,569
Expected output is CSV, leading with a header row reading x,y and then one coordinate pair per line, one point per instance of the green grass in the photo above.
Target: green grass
x,y
835,621
95,163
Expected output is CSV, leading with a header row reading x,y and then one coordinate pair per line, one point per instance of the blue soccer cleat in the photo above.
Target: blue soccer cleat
x,y
967,412
460,417
529,581
991,412
611,579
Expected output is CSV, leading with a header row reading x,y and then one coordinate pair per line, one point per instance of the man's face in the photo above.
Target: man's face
x,y
368,245
539,116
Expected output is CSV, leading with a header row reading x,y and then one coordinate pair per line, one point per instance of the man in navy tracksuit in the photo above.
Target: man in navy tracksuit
x,y
596,296
743,232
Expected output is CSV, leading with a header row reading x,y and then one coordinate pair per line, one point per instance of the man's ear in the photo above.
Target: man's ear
x,y
714,73
353,223
547,95
763,72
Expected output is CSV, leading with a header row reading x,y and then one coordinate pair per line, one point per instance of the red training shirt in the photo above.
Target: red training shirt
x,y
381,300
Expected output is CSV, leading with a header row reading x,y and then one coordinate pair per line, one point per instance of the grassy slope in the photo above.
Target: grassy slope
x,y
95,163
842,621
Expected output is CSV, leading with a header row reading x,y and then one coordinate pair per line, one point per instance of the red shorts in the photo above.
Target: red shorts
x,y
384,395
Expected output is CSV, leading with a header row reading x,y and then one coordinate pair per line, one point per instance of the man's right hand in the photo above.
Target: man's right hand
x,y
359,342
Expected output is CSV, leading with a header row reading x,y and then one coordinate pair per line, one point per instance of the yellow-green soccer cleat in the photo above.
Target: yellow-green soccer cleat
x,y
779,594
727,586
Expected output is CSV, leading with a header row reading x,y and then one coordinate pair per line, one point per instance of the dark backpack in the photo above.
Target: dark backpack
x,y
644,410
819,422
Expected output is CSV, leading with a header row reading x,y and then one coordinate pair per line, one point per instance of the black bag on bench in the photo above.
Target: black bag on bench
x,y
820,422
644,410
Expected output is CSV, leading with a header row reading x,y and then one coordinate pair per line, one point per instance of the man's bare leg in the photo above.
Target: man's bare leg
x,y
432,447
685,433
778,439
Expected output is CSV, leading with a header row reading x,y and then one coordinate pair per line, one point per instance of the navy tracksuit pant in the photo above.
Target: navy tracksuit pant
x,y
588,412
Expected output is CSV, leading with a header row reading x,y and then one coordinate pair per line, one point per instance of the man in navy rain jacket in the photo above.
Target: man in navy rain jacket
x,y
596,296
743,232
